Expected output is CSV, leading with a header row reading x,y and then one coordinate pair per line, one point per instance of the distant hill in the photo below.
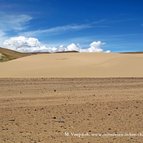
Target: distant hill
x,y
131,53
7,54
67,52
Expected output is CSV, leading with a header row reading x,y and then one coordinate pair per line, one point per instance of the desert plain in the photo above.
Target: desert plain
x,y
72,98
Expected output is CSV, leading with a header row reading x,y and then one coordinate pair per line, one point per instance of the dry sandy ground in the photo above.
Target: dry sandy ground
x,y
75,65
41,110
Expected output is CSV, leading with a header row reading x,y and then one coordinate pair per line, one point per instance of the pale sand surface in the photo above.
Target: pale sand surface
x,y
41,110
75,65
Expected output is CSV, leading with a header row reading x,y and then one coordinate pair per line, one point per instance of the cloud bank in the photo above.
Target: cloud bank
x,y
18,24
24,44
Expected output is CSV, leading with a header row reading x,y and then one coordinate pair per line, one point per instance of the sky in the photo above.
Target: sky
x,y
96,25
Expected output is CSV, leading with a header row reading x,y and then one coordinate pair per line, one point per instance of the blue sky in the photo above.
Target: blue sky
x,y
117,23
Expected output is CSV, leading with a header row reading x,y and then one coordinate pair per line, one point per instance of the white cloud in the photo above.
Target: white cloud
x,y
10,23
61,48
13,22
2,33
2,37
58,30
23,44
108,51
96,46
64,28
73,47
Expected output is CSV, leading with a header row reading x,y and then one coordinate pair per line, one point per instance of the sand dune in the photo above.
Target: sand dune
x,y
75,65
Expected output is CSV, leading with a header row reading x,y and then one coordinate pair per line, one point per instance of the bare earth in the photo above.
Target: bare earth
x,y
45,110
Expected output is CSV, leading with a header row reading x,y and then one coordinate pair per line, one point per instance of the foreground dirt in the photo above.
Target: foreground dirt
x,y
42,110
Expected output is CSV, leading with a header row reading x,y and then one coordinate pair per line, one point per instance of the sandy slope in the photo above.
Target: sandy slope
x,y
41,110
7,54
75,65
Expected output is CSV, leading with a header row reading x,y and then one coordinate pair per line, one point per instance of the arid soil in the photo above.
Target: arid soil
x,y
71,110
